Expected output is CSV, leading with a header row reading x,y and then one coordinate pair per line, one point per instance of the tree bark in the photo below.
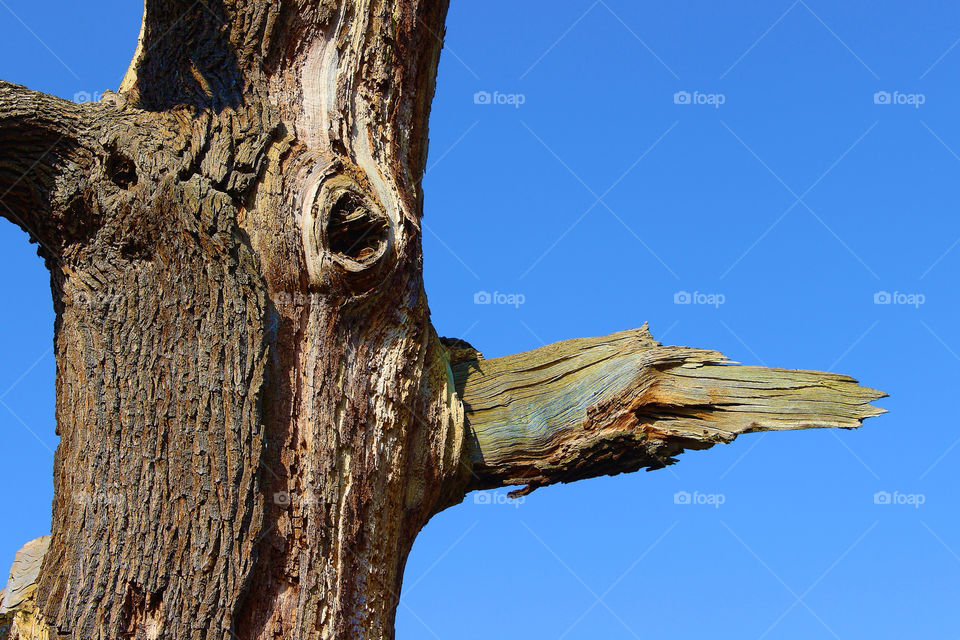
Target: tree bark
x,y
256,415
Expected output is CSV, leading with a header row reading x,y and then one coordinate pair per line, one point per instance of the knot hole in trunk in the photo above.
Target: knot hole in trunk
x,y
347,234
120,169
354,231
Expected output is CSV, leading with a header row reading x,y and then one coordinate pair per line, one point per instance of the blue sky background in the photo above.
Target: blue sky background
x,y
597,200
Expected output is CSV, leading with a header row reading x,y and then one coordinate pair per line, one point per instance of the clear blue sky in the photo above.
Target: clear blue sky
x,y
597,197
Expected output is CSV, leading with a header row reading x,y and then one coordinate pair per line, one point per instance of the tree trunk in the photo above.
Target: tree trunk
x,y
256,415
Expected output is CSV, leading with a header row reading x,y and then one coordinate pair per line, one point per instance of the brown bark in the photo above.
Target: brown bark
x,y
237,382
256,415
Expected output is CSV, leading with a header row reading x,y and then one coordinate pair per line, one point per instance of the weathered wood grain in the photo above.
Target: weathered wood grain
x,y
19,616
598,406
23,574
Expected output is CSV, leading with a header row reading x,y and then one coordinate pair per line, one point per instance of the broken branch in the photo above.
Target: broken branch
x,y
602,406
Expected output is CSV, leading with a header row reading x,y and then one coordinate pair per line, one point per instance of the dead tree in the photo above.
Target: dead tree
x,y
256,415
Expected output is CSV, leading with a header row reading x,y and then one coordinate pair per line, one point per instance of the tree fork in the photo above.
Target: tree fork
x,y
256,414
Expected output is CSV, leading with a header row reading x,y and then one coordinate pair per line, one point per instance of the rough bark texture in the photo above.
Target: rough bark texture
x,y
253,409
256,415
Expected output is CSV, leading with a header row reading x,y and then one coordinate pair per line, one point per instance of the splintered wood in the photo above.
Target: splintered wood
x,y
597,406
